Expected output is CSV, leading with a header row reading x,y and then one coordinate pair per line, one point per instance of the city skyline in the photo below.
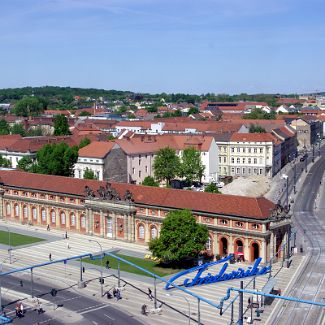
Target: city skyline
x,y
164,46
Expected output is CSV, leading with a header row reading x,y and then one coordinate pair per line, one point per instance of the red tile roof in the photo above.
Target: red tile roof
x,y
290,101
253,137
230,205
6,141
33,144
152,143
96,149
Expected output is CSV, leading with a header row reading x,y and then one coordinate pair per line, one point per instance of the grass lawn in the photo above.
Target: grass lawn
x,y
144,263
17,239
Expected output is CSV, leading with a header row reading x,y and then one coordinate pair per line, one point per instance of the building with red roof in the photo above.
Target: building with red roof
x,y
131,213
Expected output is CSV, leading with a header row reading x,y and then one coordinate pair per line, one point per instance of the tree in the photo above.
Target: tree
x,y
4,127
56,159
212,188
166,165
37,132
150,181
191,166
61,125
180,237
84,113
28,106
18,128
110,137
84,142
4,162
89,174
259,114
255,128
193,110
25,163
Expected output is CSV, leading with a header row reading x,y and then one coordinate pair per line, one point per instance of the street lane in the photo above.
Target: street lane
x,y
310,283
73,306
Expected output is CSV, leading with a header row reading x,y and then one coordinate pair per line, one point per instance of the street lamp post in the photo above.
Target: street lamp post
x,y
188,304
101,265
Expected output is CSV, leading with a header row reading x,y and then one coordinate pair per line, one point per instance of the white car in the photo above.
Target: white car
x,y
220,184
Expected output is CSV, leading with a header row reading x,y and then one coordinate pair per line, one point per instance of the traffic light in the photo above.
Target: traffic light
x,y
101,281
83,269
54,292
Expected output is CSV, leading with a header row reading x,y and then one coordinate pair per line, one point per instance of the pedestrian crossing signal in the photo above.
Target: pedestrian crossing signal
x,y
101,281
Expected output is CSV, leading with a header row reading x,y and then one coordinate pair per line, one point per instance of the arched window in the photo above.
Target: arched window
x,y
43,214
154,232
83,221
208,244
62,218
72,219
16,210
53,217
141,231
34,213
8,208
25,211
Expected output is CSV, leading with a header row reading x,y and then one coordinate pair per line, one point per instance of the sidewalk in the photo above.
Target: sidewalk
x,y
135,292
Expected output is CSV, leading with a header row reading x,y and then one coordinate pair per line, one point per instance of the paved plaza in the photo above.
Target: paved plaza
x,y
133,295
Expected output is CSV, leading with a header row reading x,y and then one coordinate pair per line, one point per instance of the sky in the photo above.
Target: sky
x,y
187,46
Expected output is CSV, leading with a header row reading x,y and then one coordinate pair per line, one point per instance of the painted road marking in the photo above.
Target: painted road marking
x,y
109,317
91,310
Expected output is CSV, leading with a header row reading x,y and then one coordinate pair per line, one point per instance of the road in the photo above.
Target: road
x,y
73,307
309,284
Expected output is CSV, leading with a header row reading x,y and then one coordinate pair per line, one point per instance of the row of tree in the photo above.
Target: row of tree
x,y
64,96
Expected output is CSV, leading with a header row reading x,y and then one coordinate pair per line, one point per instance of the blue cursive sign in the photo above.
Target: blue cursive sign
x,y
199,279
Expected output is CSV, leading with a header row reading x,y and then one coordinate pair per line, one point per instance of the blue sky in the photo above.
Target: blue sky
x,y
193,46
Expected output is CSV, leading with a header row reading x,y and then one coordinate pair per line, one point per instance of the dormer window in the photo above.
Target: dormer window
x,y
239,224
255,226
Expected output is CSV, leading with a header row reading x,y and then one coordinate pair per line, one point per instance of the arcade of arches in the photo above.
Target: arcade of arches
x,y
132,222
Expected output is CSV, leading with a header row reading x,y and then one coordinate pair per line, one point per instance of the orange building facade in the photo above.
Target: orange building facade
x,y
252,227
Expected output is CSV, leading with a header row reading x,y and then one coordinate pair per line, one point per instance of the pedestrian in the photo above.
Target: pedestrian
x,y
21,308
48,228
68,246
50,257
66,235
107,264
150,294
40,309
114,293
144,310
118,295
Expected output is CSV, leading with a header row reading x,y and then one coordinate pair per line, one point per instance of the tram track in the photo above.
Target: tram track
x,y
308,225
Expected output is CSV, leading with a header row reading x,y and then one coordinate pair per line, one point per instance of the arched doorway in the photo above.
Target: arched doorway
x,y
255,251
223,246
239,246
239,250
